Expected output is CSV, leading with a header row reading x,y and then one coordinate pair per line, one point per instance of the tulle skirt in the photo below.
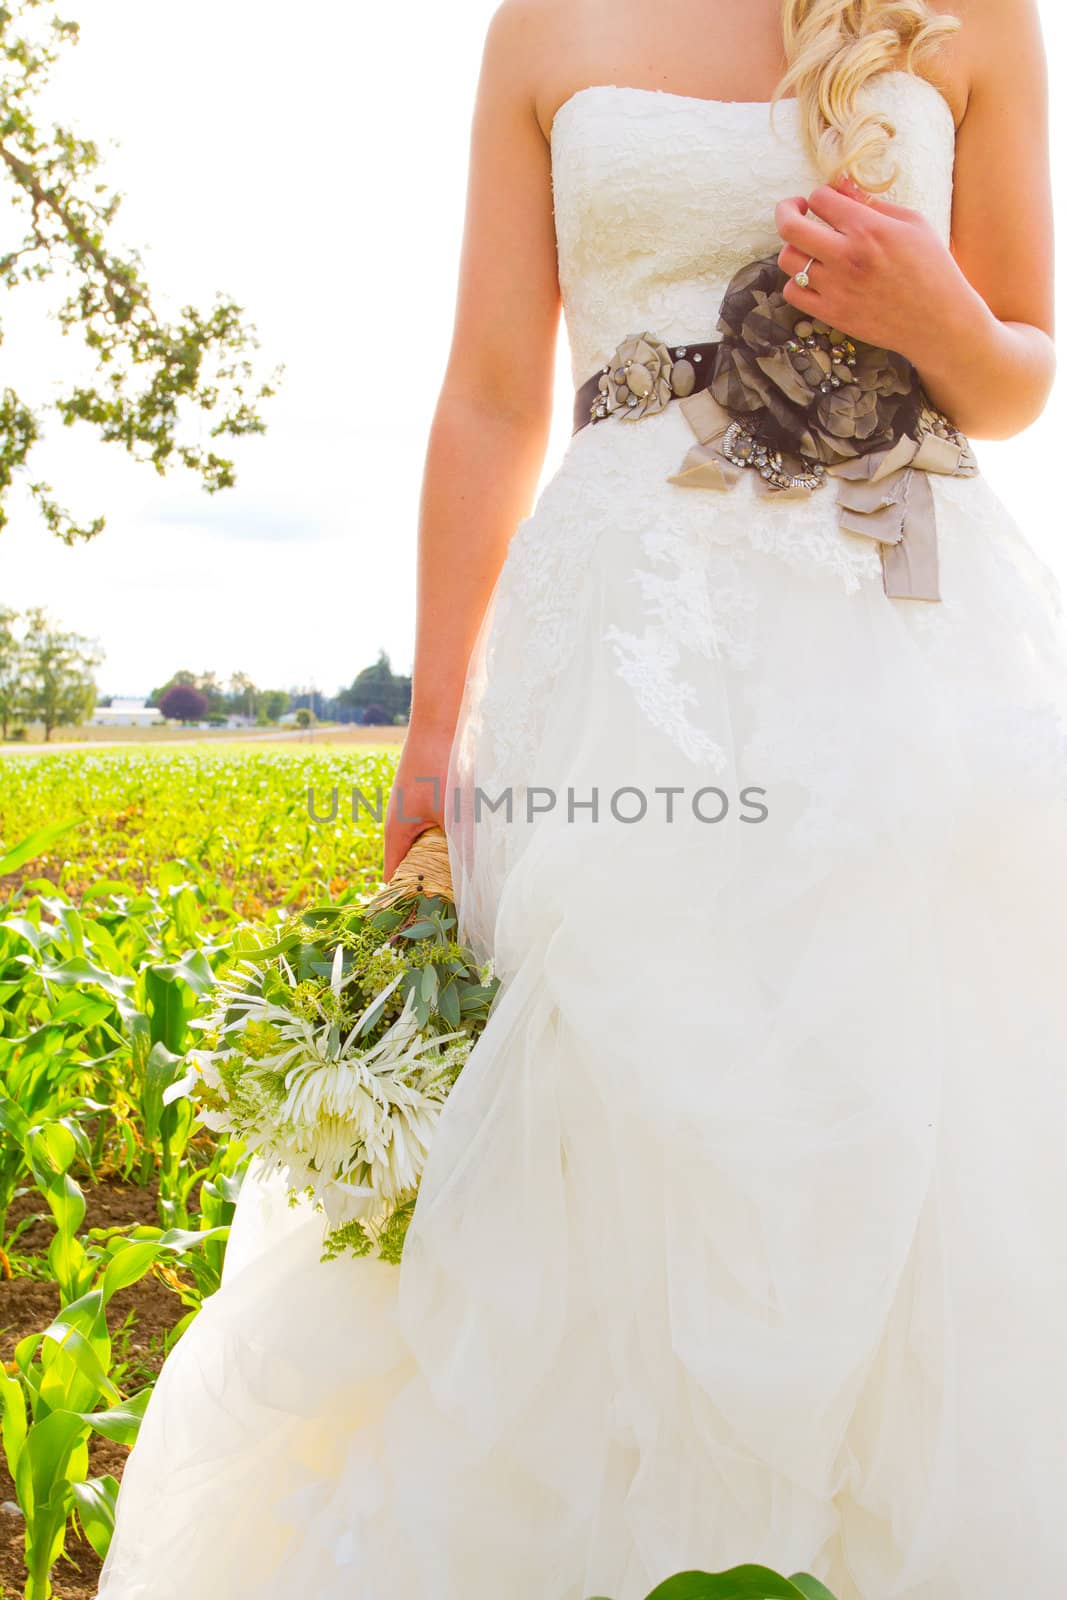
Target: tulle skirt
x,y
742,1237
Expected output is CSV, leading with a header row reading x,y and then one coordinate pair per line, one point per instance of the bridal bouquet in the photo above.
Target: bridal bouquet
x,y
331,1052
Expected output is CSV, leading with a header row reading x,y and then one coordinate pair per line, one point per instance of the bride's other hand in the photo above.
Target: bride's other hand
x,y
880,271
973,315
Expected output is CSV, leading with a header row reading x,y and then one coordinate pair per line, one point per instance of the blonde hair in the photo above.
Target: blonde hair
x,y
833,47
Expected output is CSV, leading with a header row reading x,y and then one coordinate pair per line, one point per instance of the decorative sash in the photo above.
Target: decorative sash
x,y
796,401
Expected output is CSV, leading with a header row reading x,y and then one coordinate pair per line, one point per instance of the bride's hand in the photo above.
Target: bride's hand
x,y
417,799
880,272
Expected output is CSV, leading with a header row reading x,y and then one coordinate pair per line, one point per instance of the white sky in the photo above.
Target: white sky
x,y
312,163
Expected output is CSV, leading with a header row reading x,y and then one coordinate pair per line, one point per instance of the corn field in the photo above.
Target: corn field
x,y
127,883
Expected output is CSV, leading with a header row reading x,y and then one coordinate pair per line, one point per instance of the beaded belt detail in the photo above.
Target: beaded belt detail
x,y
797,401
642,376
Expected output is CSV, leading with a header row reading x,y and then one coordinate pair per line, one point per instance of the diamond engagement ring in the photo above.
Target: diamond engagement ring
x,y
802,278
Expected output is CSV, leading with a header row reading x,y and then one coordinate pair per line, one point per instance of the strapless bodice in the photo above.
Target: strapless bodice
x,y
660,197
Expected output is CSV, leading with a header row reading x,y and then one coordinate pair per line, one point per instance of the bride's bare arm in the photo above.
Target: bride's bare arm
x,y
993,361
490,427
976,320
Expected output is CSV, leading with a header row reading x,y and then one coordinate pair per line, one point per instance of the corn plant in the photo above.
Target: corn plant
x,y
119,918
62,1391
740,1583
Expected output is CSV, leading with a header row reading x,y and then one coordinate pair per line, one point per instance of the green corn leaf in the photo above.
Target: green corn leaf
x,y
165,1000
42,1465
193,969
95,1502
810,1587
47,1531
13,1120
119,1423
15,1422
128,1265
23,928
104,888
162,1068
739,1583
79,970
74,1376
36,844
182,1239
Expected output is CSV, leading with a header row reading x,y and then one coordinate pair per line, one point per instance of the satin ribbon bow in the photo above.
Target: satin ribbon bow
x,y
884,495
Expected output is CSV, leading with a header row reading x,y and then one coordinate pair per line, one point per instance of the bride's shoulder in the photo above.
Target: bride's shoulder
x,y
517,26
997,47
525,40
546,46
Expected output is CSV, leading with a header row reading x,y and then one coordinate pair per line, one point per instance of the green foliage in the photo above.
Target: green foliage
x,y
151,372
46,673
127,882
378,686
740,1583
57,687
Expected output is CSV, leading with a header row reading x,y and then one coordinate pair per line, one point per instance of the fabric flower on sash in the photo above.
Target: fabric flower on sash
x,y
795,399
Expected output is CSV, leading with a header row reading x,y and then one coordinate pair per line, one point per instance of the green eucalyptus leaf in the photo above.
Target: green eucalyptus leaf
x,y
448,1003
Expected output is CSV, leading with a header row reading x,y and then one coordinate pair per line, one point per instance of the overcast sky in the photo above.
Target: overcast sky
x,y
310,162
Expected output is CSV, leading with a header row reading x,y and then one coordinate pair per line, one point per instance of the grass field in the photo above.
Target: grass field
x,y
126,875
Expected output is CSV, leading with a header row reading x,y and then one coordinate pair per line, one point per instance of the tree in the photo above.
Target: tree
x,y
60,690
378,687
11,669
183,703
273,703
205,683
243,694
149,373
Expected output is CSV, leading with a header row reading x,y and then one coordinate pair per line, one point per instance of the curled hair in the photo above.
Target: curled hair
x,y
832,48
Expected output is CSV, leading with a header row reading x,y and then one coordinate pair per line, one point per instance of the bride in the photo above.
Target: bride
x,y
742,1238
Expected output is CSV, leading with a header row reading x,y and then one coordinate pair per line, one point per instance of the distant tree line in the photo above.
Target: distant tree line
x,y
376,696
200,697
47,676
46,673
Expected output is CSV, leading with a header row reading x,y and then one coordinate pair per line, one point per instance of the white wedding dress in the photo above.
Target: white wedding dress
x,y
744,1234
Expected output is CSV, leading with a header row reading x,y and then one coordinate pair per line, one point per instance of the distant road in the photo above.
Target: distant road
x,y
345,734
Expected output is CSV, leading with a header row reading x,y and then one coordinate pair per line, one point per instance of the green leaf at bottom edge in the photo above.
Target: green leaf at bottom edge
x,y
810,1587
739,1583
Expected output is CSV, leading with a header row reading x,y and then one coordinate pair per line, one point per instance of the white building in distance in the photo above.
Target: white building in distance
x,y
126,714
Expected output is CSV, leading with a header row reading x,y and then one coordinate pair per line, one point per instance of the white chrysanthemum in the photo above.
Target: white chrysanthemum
x,y
335,1112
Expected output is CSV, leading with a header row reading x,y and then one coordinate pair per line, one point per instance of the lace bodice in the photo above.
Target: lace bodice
x,y
660,197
